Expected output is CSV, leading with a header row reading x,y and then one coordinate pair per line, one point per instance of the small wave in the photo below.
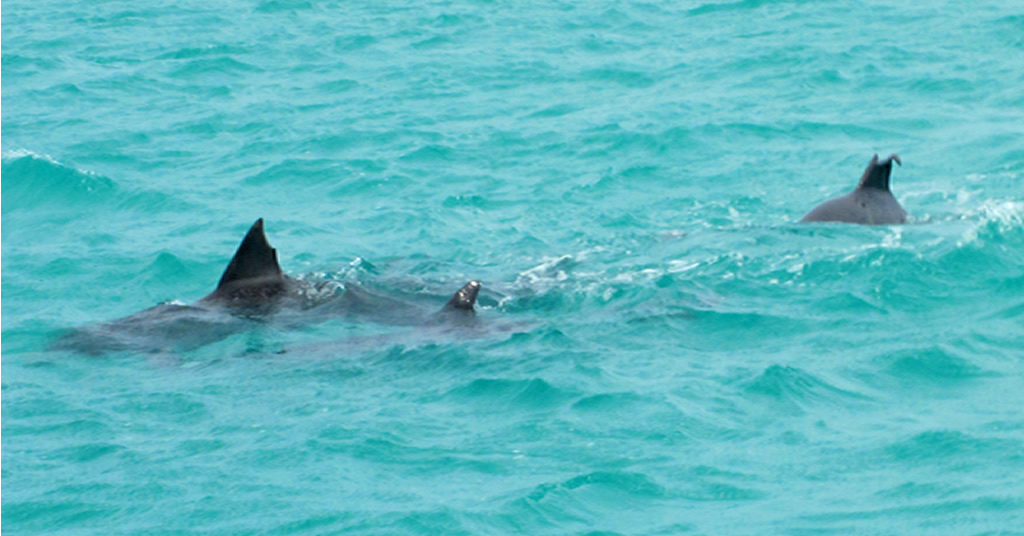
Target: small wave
x,y
280,6
718,7
338,86
795,388
580,496
166,269
739,329
557,110
330,523
613,481
995,219
623,77
167,407
351,43
301,172
188,53
89,426
43,516
32,181
576,498
433,42
925,516
205,66
394,449
87,452
199,447
949,447
606,402
430,153
526,394
933,364
12,63
538,336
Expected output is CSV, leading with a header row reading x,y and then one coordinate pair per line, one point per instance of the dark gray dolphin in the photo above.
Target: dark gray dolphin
x,y
252,291
461,309
871,203
465,299
359,303
253,279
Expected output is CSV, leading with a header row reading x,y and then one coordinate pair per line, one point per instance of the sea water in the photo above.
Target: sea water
x,y
661,348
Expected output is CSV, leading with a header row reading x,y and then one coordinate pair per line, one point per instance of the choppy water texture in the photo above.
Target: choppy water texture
x,y
669,352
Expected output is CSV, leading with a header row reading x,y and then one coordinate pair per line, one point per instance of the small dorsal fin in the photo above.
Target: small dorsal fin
x,y
877,173
254,258
465,298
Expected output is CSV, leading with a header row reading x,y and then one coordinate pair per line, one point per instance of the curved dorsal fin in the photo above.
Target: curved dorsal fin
x,y
877,173
254,258
465,298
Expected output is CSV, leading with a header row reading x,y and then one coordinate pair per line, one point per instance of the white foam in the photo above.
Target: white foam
x,y
1005,214
15,154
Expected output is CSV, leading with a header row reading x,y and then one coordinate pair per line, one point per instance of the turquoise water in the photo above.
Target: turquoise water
x,y
662,349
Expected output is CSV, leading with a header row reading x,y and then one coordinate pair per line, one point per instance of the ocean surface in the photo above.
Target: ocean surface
x,y
659,347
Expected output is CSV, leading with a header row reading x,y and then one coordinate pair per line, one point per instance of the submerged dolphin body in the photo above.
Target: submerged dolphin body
x,y
252,290
870,203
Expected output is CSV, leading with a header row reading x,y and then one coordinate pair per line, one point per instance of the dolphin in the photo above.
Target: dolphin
x,y
253,280
359,303
251,291
870,203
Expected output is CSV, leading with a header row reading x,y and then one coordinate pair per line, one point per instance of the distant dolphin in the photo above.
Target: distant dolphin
x,y
252,288
871,203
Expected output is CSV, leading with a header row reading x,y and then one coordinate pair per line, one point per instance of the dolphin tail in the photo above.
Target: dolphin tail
x,y
465,298
877,173
254,258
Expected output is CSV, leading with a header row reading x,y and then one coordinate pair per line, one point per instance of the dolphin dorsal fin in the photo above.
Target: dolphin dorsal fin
x,y
254,258
465,298
877,173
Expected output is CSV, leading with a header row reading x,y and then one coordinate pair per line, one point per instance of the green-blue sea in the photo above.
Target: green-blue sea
x,y
659,347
